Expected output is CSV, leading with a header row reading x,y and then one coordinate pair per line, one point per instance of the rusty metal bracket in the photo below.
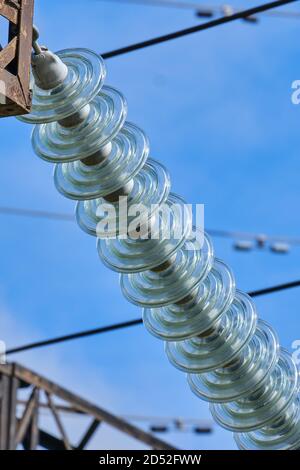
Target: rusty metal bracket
x,y
15,58
25,430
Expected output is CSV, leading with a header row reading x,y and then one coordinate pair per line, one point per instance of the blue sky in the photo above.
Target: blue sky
x,y
217,108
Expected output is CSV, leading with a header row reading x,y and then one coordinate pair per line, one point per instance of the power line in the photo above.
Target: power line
x,y
64,217
73,336
130,323
252,236
205,9
156,424
69,409
36,214
177,422
271,290
194,29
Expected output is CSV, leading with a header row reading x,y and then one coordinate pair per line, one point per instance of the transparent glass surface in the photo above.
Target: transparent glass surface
x,y
55,143
130,150
135,255
151,186
282,434
189,268
86,74
264,405
231,334
255,362
212,298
